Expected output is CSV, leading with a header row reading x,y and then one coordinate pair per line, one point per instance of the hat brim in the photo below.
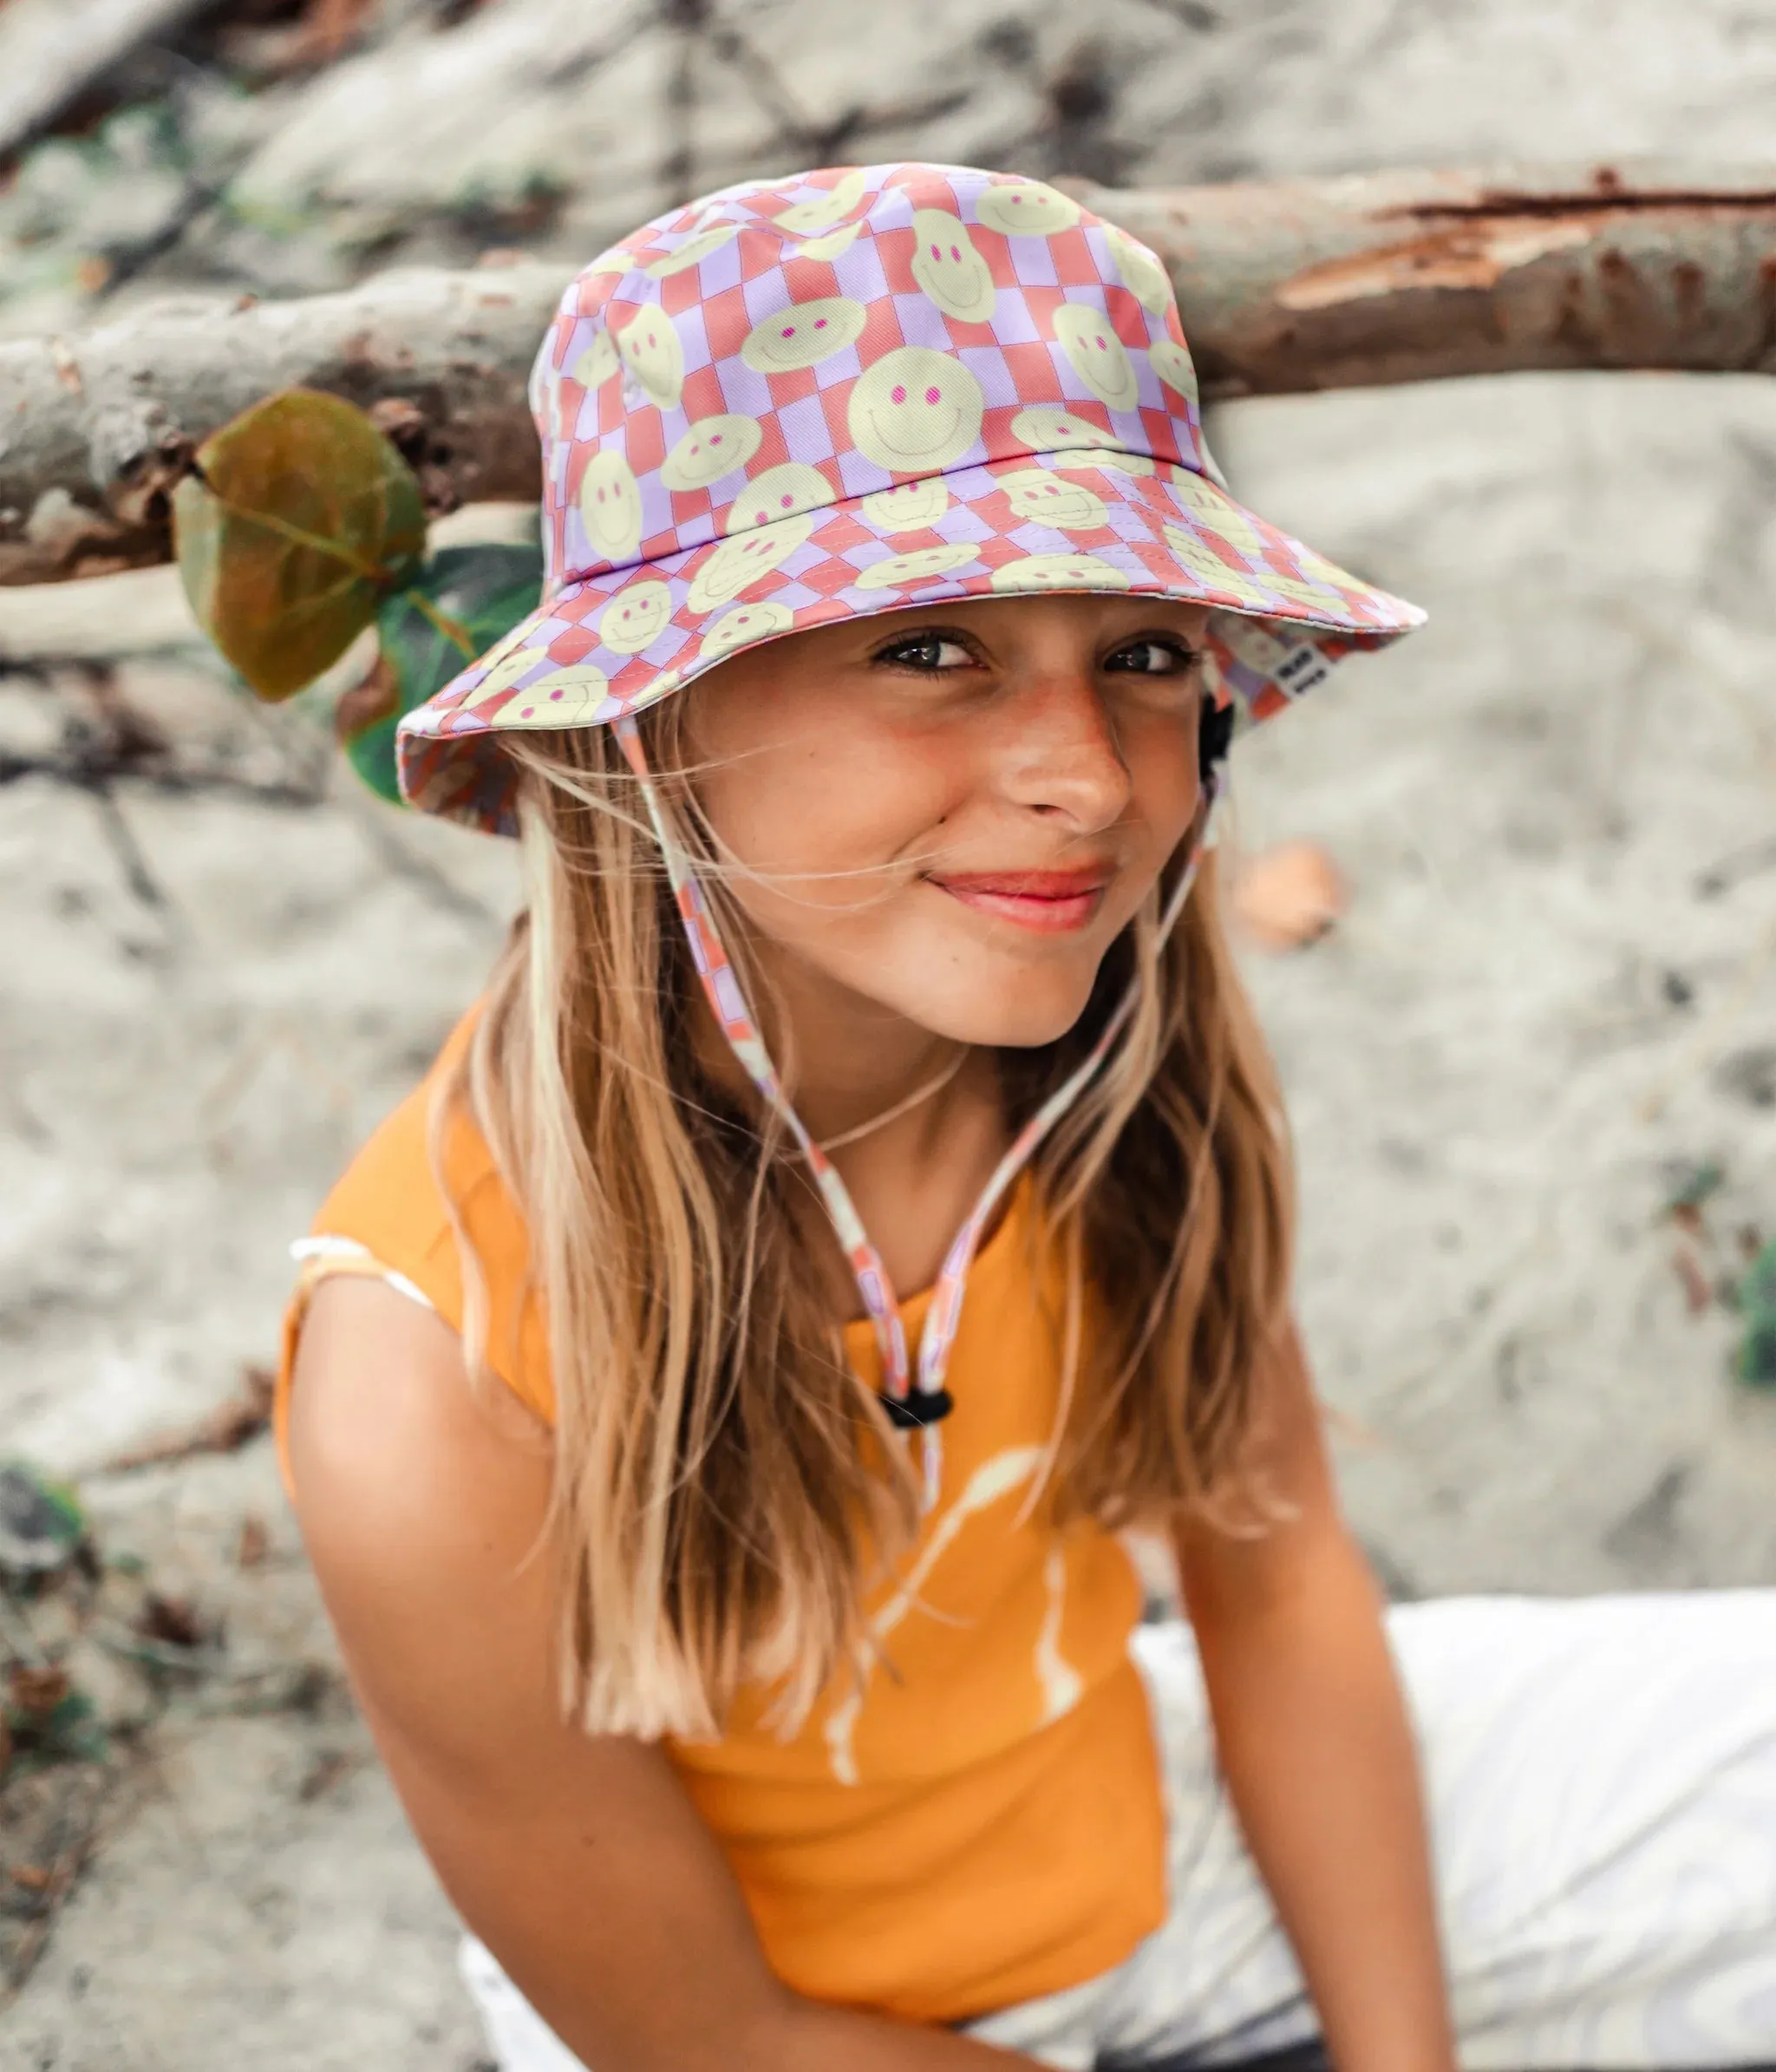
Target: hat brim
x,y
1091,519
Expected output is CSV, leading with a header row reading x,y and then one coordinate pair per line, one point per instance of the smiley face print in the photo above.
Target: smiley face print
x,y
1309,589
1040,496
742,558
712,447
836,203
634,616
1217,511
1104,457
947,266
1203,562
1044,429
692,251
652,353
1025,208
909,506
569,698
610,504
746,624
919,566
1142,274
915,409
510,661
780,492
1096,355
597,363
1061,571
1172,365
830,246
803,335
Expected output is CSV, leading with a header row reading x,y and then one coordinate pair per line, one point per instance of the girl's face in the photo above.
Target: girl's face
x,y
952,812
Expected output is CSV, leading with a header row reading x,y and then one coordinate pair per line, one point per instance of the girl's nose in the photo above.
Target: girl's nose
x,y
1061,754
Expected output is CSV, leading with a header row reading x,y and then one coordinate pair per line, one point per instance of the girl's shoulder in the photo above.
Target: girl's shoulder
x,y
398,1210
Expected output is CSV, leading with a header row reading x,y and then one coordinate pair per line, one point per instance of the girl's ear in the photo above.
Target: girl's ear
x,y
1214,735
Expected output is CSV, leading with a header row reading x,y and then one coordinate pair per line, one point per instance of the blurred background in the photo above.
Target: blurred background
x,y
1532,1066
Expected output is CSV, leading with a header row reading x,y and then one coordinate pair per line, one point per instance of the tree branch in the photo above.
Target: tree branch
x,y
1414,276
1292,286
95,431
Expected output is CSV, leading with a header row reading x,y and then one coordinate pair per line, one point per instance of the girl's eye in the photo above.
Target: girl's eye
x,y
1154,658
929,652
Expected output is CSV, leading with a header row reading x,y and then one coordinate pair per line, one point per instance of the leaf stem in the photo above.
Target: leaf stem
x,y
453,628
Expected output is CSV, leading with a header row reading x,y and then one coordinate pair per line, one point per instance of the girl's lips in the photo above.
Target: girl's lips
x,y
1048,902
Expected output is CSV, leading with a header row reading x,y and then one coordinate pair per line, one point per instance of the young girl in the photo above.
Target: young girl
x,y
756,1649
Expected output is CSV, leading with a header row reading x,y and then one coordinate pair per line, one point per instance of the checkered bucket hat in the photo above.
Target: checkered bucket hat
x,y
843,393
847,392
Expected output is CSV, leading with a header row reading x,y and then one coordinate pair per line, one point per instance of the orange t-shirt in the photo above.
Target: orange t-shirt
x,y
980,1821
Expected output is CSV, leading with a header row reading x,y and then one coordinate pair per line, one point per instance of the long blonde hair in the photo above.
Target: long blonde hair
x,y
725,1487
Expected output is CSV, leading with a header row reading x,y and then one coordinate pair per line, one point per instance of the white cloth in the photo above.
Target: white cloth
x,y
1601,1780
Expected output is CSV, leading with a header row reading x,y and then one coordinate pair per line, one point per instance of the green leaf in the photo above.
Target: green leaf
x,y
462,601
300,520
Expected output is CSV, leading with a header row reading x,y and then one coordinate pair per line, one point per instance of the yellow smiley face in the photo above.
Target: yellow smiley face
x,y
692,251
610,504
1097,355
1061,571
618,259
742,558
1025,208
1141,274
1217,511
915,409
1042,428
1172,365
909,506
829,246
804,333
746,624
1201,560
919,566
1121,463
780,492
595,366
510,663
712,447
947,266
650,349
569,698
1044,497
837,201
634,616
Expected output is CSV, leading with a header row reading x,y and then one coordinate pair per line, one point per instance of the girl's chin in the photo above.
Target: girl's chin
x,y
1004,1016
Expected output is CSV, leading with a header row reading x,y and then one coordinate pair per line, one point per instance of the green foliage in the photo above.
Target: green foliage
x,y
1757,1303
299,522
461,602
42,1524
301,526
68,1731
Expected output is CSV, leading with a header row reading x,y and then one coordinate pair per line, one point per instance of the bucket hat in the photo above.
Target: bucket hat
x,y
846,392
842,392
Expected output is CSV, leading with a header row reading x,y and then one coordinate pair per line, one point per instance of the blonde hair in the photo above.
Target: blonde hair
x,y
725,1487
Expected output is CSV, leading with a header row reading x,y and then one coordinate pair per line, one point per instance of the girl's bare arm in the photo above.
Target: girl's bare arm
x,y
1315,1743
578,1860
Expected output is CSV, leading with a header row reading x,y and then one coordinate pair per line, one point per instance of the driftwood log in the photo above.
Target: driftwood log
x,y
1285,286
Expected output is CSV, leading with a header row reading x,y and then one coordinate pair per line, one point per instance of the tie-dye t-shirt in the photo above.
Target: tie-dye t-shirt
x,y
979,1821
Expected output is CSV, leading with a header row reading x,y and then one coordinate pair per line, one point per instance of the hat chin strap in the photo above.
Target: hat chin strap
x,y
912,1402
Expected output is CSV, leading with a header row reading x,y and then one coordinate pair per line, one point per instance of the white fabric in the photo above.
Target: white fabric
x,y
1602,1779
